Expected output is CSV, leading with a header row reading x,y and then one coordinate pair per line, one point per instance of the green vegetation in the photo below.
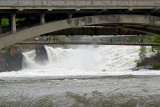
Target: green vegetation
x,y
135,39
143,51
60,37
4,22
139,63
153,61
20,19
142,55
156,39
156,66
6,48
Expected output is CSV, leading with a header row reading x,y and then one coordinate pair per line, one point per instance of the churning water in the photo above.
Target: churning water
x,y
83,61
85,76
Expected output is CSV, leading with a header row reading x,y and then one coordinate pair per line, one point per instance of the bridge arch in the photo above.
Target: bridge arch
x,y
125,20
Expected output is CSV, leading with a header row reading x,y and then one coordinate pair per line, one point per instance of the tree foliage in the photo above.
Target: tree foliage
x,y
4,22
143,51
156,39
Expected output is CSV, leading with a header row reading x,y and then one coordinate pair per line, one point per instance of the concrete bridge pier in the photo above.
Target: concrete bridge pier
x,y
70,15
13,23
42,18
0,25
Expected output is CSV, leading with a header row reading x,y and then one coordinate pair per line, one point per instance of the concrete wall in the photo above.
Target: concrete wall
x,y
77,3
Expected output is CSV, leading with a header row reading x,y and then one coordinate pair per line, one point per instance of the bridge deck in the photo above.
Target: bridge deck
x,y
82,4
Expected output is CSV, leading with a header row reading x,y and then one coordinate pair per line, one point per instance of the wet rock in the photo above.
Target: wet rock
x,y
41,54
138,68
11,59
2,62
14,61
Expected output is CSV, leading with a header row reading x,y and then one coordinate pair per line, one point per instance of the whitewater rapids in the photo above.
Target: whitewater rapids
x,y
82,61
65,80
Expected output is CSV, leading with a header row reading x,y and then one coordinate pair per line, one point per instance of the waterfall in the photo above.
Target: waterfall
x,y
28,59
82,61
87,59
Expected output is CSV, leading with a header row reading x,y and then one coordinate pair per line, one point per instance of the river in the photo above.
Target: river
x,y
81,76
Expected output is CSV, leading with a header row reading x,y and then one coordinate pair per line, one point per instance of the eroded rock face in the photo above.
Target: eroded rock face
x,y
14,62
11,59
41,54
2,62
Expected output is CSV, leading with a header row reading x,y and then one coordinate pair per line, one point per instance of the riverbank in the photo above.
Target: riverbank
x,y
149,63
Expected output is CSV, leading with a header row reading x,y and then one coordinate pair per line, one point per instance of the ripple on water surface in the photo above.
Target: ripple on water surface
x,y
109,92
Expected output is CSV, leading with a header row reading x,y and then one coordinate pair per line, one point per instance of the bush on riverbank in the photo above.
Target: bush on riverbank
x,y
139,63
143,52
156,66
153,61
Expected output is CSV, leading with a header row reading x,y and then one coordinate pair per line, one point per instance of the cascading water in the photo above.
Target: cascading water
x,y
86,60
28,60
82,61
57,83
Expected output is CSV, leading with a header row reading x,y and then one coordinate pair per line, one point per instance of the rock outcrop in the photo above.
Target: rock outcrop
x,y
41,54
11,59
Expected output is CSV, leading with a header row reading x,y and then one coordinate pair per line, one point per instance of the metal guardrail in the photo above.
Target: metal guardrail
x,y
90,3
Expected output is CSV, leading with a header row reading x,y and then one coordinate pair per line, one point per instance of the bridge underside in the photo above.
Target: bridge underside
x,y
121,23
33,14
112,29
96,30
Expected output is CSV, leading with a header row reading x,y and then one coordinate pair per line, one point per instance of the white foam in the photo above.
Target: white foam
x,y
104,60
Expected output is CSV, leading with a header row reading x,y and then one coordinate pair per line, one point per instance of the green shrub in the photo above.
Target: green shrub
x,y
143,51
4,21
139,64
6,48
156,66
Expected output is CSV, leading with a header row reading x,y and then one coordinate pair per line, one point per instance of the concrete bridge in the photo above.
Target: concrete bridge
x,y
79,4
41,17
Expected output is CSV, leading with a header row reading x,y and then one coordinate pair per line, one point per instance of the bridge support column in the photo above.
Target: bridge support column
x,y
70,16
42,18
0,25
13,23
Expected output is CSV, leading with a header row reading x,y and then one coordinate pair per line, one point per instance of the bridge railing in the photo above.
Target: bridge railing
x,y
114,3
87,41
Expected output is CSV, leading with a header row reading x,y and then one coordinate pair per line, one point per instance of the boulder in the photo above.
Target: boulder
x,y
41,54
